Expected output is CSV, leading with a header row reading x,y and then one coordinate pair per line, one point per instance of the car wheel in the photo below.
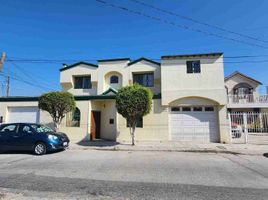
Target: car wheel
x,y
40,148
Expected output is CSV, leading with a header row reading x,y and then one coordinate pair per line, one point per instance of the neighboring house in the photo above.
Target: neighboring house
x,y
189,102
243,94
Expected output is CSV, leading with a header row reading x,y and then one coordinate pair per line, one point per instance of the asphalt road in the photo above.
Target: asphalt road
x,y
89,174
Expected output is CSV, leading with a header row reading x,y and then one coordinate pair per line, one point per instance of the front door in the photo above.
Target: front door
x,y
95,125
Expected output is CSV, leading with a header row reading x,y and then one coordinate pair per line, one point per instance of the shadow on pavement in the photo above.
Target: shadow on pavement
x,y
28,152
98,143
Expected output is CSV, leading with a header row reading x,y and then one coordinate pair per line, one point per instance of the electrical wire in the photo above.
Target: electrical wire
x,y
178,25
197,21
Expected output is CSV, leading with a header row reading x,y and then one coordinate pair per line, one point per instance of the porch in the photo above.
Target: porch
x,y
247,100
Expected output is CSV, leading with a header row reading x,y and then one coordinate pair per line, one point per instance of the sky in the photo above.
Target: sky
x,y
65,31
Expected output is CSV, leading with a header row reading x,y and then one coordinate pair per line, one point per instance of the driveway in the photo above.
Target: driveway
x,y
94,174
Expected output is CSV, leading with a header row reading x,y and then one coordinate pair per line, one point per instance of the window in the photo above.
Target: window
x,y
175,109
139,123
25,129
186,109
41,128
209,109
73,118
114,79
8,128
111,121
197,109
146,80
83,82
193,67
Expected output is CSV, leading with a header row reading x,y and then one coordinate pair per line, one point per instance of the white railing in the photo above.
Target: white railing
x,y
243,124
247,98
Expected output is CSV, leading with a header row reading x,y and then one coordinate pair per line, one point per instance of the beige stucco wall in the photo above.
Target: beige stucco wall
x,y
176,83
224,126
100,76
145,66
155,125
81,133
108,111
67,80
233,81
45,117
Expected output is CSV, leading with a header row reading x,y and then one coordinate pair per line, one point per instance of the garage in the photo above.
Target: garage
x,y
199,123
23,114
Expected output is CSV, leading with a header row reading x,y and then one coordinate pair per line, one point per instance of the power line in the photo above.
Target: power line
x,y
158,59
37,60
26,82
25,73
178,25
197,21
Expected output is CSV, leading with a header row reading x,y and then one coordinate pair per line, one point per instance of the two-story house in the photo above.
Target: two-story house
x,y
243,94
189,102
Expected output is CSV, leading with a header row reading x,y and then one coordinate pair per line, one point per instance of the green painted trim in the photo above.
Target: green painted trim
x,y
95,97
110,90
114,59
15,99
75,64
157,96
77,98
142,58
191,55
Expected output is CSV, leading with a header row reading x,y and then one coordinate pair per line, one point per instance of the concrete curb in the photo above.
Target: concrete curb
x,y
169,150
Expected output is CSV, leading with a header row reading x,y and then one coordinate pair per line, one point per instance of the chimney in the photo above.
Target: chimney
x,y
64,65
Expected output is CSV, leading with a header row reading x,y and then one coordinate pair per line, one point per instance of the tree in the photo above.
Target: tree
x,y
57,104
133,102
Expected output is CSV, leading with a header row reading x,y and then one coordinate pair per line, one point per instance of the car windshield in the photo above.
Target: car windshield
x,y
41,128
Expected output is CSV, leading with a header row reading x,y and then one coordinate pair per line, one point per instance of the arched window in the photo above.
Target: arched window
x,y
73,118
243,89
114,79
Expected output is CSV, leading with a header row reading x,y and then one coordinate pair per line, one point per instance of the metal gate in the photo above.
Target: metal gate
x,y
248,127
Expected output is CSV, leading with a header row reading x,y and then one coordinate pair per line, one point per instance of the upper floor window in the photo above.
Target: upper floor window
x,y
114,79
243,89
82,82
193,67
145,79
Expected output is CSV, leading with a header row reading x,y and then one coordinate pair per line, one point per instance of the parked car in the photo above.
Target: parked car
x,y
33,137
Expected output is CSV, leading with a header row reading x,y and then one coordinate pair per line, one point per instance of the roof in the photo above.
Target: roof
x,y
191,55
113,60
78,63
239,73
142,58
110,90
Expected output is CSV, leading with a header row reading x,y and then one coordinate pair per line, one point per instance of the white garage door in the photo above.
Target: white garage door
x,y
194,124
23,114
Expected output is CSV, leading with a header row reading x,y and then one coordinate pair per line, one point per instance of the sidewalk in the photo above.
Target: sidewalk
x,y
247,149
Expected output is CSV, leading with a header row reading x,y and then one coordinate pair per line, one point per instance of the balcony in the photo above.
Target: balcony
x,y
247,101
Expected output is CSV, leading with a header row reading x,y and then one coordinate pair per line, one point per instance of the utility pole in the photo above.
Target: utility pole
x,y
3,56
2,59
8,82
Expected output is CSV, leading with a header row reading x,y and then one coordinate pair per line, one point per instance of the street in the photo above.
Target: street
x,y
94,174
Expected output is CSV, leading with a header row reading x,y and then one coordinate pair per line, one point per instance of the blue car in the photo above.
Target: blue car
x,y
31,137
